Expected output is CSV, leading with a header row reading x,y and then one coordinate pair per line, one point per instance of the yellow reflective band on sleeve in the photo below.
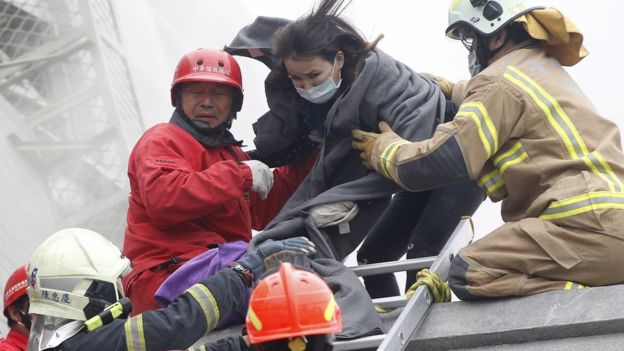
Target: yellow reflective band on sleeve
x,y
255,321
572,285
135,337
603,168
563,125
511,157
492,181
556,116
330,310
388,153
487,131
208,304
583,203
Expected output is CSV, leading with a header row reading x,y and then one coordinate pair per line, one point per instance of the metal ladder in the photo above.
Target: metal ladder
x,y
416,309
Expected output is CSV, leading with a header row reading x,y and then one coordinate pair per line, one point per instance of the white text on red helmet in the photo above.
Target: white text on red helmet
x,y
12,290
212,69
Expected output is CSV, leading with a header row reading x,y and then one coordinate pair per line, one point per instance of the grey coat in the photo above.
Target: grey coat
x,y
387,90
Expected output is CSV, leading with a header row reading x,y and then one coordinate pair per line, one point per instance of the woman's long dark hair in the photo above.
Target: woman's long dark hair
x,y
323,33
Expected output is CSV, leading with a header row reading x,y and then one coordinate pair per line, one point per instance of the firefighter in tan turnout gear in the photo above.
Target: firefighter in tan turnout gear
x,y
531,138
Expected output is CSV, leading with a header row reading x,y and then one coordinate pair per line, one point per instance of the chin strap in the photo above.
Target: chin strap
x,y
25,318
120,308
297,344
228,123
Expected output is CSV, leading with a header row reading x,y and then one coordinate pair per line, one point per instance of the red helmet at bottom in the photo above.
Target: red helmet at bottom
x,y
291,303
15,286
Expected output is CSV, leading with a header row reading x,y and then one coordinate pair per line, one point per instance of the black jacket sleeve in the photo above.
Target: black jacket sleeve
x,y
226,344
191,316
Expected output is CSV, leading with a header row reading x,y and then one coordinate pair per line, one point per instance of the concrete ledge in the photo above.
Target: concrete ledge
x,y
590,319
549,316
610,342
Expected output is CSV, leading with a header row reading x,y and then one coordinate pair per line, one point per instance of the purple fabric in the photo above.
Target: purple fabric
x,y
200,268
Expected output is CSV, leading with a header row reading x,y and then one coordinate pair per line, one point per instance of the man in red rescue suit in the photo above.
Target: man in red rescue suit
x,y
532,139
16,311
192,186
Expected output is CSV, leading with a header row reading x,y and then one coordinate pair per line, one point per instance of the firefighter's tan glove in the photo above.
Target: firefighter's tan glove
x,y
367,142
446,86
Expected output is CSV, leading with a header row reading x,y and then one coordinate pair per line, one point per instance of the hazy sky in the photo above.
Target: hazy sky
x,y
414,34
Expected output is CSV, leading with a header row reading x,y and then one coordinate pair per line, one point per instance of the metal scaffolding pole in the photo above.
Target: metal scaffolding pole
x,y
65,90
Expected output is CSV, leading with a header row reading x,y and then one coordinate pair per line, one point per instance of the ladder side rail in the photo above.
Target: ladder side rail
x,y
417,307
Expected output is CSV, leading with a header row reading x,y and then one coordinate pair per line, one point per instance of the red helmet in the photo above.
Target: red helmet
x,y
16,286
291,303
209,65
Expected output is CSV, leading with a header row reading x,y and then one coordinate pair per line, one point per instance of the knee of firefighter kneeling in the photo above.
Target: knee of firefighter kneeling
x,y
457,278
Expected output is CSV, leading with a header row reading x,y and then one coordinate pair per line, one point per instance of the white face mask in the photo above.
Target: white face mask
x,y
473,65
322,92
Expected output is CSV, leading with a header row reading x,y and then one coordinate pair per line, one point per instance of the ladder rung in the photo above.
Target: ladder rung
x,y
390,302
393,266
367,342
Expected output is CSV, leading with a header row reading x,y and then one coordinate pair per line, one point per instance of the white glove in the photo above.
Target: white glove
x,y
262,177
333,213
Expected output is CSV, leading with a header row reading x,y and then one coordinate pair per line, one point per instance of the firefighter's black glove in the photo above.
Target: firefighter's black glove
x,y
254,261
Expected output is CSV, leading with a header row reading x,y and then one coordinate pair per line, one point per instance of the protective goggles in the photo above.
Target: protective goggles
x,y
467,37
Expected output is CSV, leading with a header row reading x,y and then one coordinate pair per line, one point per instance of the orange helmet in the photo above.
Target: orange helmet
x,y
291,303
16,286
209,65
